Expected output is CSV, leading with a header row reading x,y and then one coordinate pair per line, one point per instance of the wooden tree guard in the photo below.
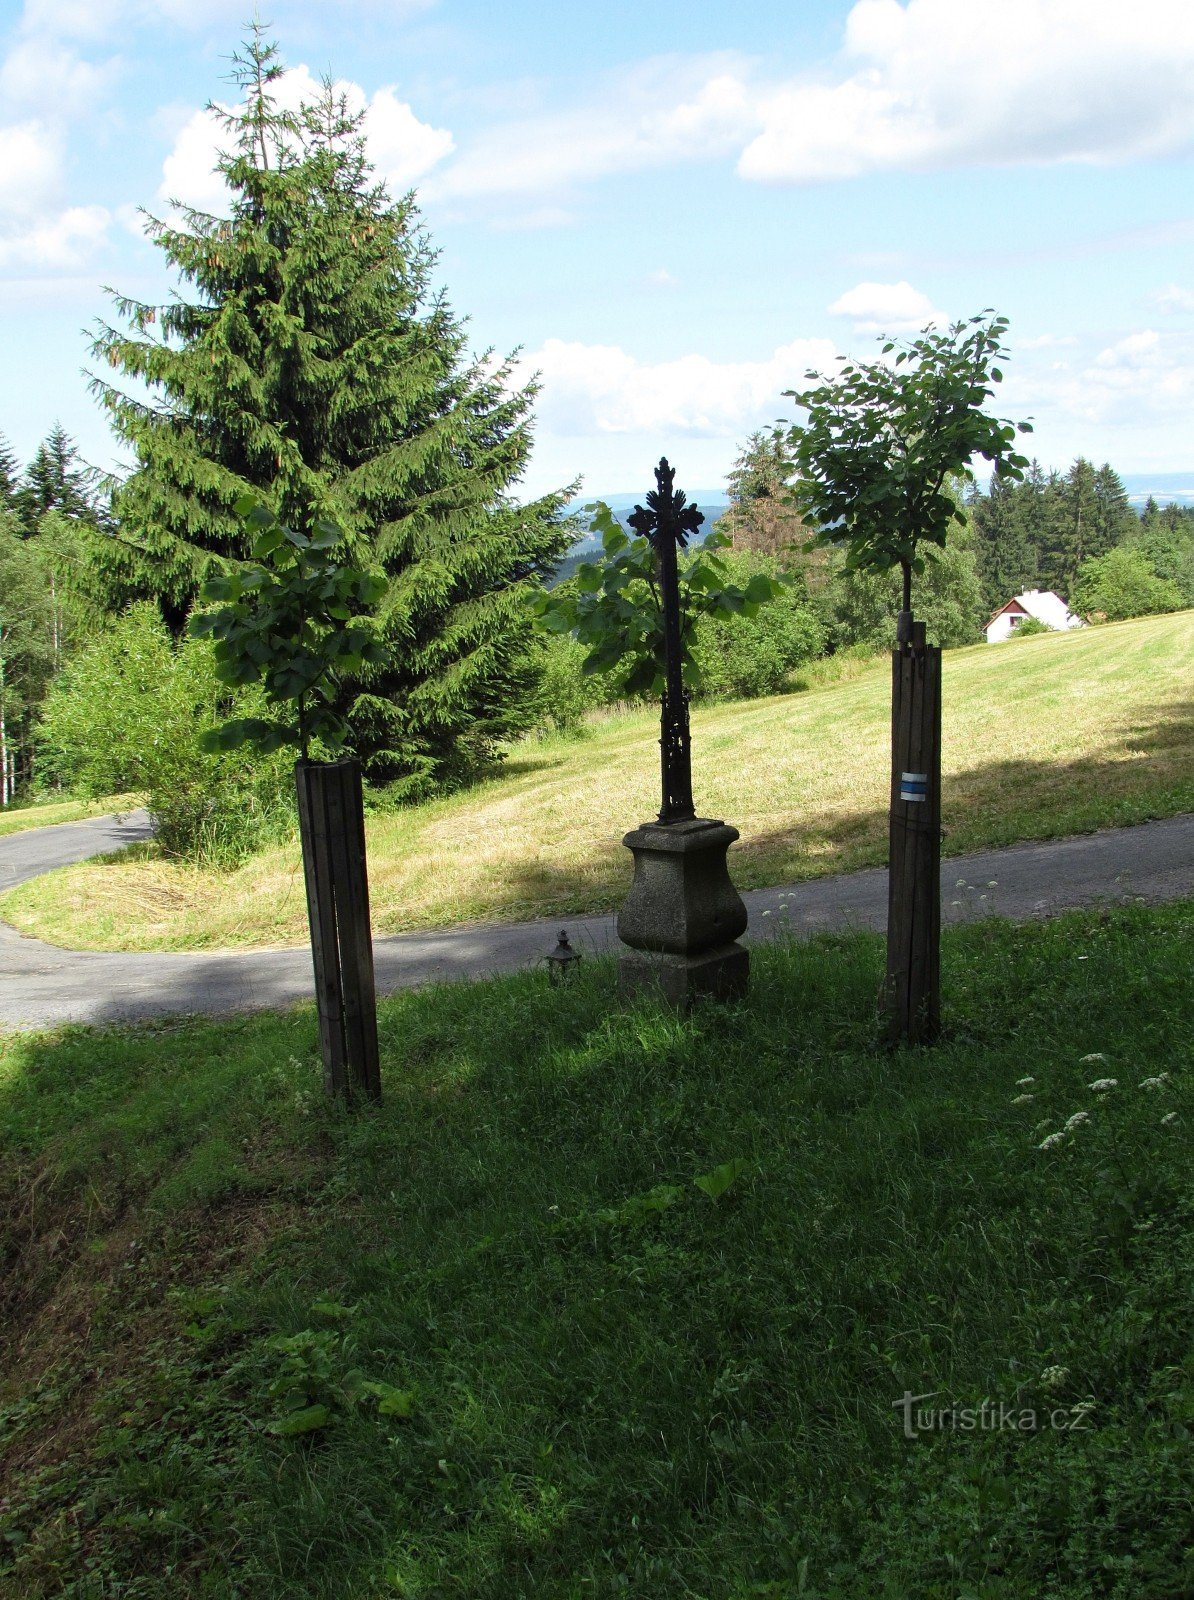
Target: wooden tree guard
x,y
332,825
911,1000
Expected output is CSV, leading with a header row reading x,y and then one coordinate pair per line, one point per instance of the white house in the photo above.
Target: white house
x,y
1042,604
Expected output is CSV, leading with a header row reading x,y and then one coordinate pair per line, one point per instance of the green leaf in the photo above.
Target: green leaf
x,y
715,1182
308,1420
391,1402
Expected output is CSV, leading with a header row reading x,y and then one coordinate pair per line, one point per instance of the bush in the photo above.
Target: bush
x,y
126,713
947,598
566,693
741,658
1122,584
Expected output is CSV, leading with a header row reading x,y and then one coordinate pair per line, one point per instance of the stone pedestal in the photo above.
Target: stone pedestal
x,y
683,916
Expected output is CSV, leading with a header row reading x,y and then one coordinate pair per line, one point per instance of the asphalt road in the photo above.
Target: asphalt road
x,y
41,985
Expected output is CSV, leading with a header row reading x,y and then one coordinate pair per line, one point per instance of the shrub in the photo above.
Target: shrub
x,y
127,713
949,601
566,692
1122,584
740,657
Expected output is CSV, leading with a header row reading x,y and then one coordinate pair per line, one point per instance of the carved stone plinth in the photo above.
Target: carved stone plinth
x,y
683,915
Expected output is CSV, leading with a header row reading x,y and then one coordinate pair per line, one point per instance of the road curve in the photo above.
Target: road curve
x,y
41,985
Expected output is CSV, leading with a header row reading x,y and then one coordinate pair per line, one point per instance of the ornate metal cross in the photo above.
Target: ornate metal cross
x,y
667,522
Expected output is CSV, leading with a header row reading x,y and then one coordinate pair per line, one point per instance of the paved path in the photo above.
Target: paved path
x,y
41,985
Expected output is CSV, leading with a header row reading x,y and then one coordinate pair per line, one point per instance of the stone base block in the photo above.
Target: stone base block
x,y
718,974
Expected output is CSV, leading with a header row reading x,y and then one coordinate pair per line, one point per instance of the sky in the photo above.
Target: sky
x,y
672,210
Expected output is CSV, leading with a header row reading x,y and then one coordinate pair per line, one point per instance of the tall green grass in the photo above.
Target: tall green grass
x,y
534,1357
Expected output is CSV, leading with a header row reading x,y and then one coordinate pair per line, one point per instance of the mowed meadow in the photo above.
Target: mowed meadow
x,y
1043,736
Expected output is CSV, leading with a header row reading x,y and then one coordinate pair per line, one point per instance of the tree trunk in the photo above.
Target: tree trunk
x,y
332,827
911,1001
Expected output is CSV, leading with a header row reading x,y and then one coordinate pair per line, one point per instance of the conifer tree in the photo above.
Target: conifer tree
x,y
10,472
1003,548
56,480
311,363
1116,521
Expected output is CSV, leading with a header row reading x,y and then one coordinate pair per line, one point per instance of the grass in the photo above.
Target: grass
x,y
1042,737
26,814
533,1358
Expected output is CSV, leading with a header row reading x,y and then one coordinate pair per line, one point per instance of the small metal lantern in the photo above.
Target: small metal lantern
x,y
562,959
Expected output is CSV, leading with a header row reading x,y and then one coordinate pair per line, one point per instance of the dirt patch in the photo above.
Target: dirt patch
x,y
90,1292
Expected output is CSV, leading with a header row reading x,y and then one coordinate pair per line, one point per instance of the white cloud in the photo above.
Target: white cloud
x,y
401,147
35,229
30,168
1112,403
534,220
1175,298
655,114
40,75
188,172
918,85
887,308
661,278
60,242
1045,341
98,19
602,389
959,82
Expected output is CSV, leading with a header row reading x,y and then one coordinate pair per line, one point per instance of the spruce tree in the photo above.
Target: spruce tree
x,y
310,361
10,472
1003,547
762,516
1115,519
56,480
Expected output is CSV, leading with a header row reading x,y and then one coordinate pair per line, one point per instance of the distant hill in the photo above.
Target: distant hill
x,y
712,502
1166,488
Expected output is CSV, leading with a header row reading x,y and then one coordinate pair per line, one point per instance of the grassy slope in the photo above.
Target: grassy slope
x,y
1042,737
614,1385
45,813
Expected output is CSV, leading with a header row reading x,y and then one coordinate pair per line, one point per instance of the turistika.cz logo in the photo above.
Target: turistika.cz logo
x,y
990,1416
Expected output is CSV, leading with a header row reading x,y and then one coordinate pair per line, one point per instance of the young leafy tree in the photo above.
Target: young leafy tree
x,y
882,438
311,364
614,608
295,620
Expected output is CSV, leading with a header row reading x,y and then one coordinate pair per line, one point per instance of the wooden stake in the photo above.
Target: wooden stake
x,y
911,1001
332,827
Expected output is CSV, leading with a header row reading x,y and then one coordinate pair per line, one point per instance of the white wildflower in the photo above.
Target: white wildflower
x,y
992,883
1101,1085
1170,1116
1022,1099
1053,1377
1159,1082
1020,1082
1076,1120
1096,1055
1050,1140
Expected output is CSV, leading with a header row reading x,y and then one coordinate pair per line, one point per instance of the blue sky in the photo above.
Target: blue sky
x,y
673,209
